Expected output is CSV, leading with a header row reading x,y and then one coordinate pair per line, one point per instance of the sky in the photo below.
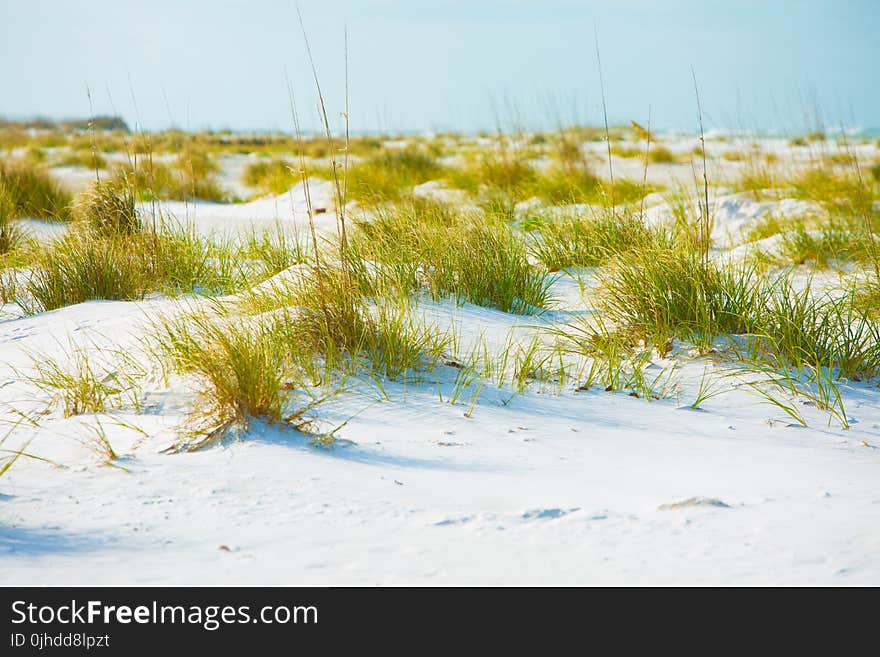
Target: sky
x,y
444,64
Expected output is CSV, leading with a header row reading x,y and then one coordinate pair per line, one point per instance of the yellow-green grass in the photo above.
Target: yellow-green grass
x,y
473,257
86,159
589,238
88,264
32,192
273,176
390,173
190,177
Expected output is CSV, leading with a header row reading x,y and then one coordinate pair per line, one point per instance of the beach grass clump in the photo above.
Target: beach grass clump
x,y
488,265
108,254
151,178
197,170
660,154
563,185
82,158
800,328
588,239
291,350
472,256
495,175
273,250
197,160
243,368
274,176
820,247
614,363
353,333
506,178
658,294
185,179
84,265
566,151
823,331
757,177
87,264
109,206
627,151
391,173
693,222
820,240
840,190
395,344
11,234
509,175
81,386
866,297
771,224
655,296
32,192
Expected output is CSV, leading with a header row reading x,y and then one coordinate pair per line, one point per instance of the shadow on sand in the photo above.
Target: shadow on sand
x,y
33,541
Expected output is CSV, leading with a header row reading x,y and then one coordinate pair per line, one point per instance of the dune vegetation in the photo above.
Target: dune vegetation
x,y
272,322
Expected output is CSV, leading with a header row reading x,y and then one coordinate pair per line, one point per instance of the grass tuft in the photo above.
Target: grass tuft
x,y
657,294
32,192
472,256
575,240
83,387
109,207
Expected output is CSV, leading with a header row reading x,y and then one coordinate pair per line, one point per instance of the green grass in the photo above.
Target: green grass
x,y
866,297
838,189
274,176
85,264
691,224
110,253
659,154
109,207
769,225
333,321
506,178
85,159
497,175
32,192
579,240
757,177
568,185
243,364
820,248
245,371
620,150
390,174
81,386
291,350
381,175
273,250
658,294
191,176
801,328
815,240
473,257
11,234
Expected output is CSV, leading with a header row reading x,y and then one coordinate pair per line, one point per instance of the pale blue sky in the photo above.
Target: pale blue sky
x,y
444,64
